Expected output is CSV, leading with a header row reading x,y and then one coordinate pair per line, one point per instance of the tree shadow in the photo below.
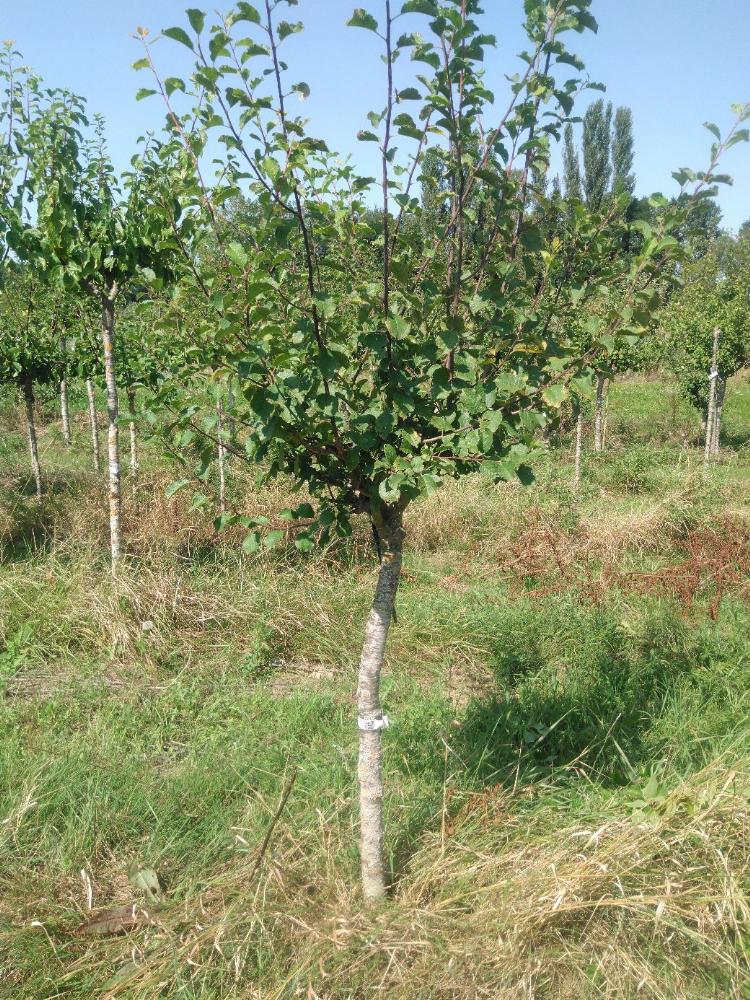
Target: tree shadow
x,y
551,719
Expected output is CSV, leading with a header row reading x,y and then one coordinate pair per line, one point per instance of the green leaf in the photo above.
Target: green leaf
x,y
246,12
408,94
237,254
197,19
273,538
287,28
362,19
713,129
175,487
143,93
420,7
179,35
140,64
147,880
302,89
365,136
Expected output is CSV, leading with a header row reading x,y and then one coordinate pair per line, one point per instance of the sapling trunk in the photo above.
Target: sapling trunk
x,y
721,388
65,412
28,396
711,411
221,457
601,382
113,441
579,451
93,424
389,526
133,432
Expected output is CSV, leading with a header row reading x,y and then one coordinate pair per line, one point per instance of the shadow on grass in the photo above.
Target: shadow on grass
x,y
581,695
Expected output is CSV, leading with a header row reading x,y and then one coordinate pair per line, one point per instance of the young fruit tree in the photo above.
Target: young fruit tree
x,y
707,324
78,231
375,362
31,351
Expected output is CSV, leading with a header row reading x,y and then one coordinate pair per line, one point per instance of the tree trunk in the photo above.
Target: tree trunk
x,y
599,413
221,455
579,451
133,433
711,412
65,411
94,425
28,395
389,526
721,388
113,440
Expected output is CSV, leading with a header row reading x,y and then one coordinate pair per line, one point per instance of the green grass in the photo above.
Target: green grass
x,y
567,771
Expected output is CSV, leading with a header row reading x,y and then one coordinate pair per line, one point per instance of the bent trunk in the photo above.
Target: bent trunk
x,y
133,433
28,395
221,454
389,526
721,388
113,442
711,412
65,411
601,383
579,451
93,423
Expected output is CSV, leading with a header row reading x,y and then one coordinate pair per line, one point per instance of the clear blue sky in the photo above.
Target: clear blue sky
x,y
675,62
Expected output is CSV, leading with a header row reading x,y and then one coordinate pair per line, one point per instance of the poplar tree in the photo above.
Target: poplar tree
x,y
597,167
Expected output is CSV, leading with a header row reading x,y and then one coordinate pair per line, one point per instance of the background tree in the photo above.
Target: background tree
x,y
623,154
596,148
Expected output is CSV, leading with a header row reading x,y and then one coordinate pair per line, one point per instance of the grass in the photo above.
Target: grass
x,y
568,771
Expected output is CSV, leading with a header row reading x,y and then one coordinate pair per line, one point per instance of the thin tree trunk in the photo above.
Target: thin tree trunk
x,y
65,412
113,440
94,425
599,413
221,454
712,379
579,451
28,395
133,433
389,527
605,413
721,388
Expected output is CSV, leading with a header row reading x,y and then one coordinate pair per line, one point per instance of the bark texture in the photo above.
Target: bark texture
x,y
113,441
389,527
65,412
94,425
221,457
28,397
579,451
133,433
712,380
721,388
601,390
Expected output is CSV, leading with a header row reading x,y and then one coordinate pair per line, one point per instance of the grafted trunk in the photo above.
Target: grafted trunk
x,y
711,411
721,388
579,451
601,387
113,441
133,432
93,424
389,526
28,396
65,412
221,457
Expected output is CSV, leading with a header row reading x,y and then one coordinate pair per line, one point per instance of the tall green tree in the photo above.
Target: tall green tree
x,y
571,166
623,155
596,146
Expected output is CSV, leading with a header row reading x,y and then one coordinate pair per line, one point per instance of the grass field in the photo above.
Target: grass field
x,y
567,770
